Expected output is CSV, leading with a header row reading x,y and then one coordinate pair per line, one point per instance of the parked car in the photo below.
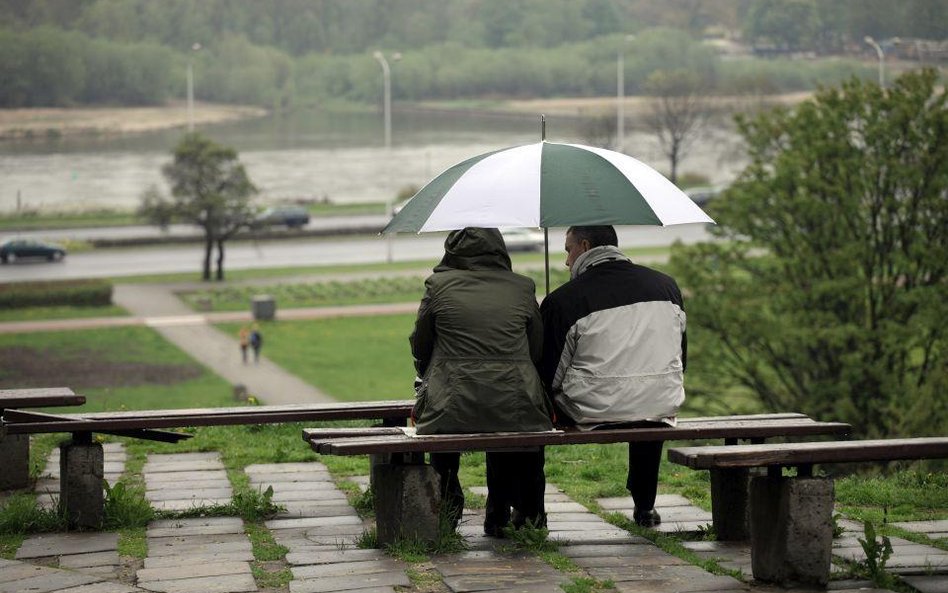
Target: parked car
x,y
30,248
703,194
290,216
523,239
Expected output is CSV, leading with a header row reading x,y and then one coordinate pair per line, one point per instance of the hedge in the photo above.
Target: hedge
x,y
76,293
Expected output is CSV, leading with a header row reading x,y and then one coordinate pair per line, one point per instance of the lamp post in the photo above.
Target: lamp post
x,y
868,39
387,115
194,48
620,94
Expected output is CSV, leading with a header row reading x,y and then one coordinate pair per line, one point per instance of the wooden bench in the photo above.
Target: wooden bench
x,y
15,450
791,518
408,452
82,460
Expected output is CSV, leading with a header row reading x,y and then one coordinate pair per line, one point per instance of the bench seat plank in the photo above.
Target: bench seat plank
x,y
39,398
26,423
704,429
793,454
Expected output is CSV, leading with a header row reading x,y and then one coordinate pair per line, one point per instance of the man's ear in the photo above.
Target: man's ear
x,y
586,245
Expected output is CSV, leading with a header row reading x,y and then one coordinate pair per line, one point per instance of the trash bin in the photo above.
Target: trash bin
x,y
263,307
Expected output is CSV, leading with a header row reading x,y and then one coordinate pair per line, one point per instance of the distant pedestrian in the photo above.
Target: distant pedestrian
x,y
256,341
244,342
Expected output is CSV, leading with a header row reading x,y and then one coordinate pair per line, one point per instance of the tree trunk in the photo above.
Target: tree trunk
x,y
220,259
208,249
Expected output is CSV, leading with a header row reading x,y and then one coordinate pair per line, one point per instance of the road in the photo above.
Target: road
x,y
303,252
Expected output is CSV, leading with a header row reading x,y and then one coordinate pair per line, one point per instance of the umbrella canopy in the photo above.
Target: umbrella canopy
x,y
547,185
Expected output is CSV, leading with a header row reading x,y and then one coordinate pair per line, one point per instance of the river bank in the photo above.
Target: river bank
x,y
48,122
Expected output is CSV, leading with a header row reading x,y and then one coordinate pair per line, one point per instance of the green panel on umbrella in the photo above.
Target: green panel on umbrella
x,y
579,187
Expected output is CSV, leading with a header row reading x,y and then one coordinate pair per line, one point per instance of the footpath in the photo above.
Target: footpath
x,y
321,530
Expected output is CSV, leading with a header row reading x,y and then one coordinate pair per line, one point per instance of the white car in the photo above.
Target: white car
x,y
523,239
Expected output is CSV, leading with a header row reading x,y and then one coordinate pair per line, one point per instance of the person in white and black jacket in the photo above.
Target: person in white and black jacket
x,y
615,350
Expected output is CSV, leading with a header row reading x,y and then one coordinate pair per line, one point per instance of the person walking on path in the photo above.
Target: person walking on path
x,y
256,342
615,351
476,341
244,337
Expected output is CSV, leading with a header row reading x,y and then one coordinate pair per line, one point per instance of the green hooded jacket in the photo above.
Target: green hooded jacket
x,y
476,341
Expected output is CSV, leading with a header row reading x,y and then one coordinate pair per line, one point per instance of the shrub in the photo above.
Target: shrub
x,y
76,293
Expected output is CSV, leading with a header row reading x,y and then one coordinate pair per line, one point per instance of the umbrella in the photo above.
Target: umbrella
x,y
547,184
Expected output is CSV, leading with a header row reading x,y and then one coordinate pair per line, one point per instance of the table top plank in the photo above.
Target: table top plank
x,y
39,398
792,454
704,429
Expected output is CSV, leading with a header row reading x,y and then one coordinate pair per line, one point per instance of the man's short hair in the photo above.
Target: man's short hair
x,y
596,235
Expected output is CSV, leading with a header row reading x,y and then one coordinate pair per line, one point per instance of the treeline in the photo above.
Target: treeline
x,y
52,67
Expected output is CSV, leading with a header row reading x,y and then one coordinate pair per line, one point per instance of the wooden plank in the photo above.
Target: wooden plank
x,y
39,398
793,454
26,423
75,426
493,441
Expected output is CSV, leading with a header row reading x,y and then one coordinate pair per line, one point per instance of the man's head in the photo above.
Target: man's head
x,y
580,239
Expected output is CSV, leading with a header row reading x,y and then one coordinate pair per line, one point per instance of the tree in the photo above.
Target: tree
x,y
828,295
209,188
677,113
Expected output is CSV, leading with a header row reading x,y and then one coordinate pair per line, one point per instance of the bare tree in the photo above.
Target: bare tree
x,y
599,130
677,114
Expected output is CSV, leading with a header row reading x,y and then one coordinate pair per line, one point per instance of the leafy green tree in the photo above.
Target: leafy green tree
x,y
209,188
828,294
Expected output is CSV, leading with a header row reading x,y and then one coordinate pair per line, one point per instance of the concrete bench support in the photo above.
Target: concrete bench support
x,y
407,501
791,522
81,466
15,461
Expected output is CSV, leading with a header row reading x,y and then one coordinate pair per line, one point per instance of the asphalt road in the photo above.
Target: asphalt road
x,y
241,255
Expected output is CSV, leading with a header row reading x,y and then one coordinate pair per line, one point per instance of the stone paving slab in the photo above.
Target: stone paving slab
x,y
286,468
46,581
314,571
334,556
297,511
192,571
312,522
928,583
183,465
152,485
238,583
244,554
185,526
187,505
155,550
93,559
195,476
683,578
103,587
285,486
350,583
62,544
495,572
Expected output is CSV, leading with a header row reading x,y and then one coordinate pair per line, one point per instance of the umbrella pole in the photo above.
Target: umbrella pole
x,y
546,257
542,127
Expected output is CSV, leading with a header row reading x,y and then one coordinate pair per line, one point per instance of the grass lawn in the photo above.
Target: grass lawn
x,y
60,312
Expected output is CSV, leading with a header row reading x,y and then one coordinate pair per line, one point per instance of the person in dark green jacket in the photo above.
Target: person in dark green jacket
x,y
476,342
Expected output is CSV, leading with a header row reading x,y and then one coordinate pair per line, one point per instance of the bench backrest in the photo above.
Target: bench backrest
x,y
39,398
797,454
746,427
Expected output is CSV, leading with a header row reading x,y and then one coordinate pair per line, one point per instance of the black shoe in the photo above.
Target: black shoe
x,y
491,530
519,520
649,518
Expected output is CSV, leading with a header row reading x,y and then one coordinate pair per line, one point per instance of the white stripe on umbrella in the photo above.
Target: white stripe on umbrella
x,y
486,190
651,183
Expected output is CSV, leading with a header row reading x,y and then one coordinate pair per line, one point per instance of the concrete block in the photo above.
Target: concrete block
x,y
729,488
81,495
15,461
407,502
791,524
263,307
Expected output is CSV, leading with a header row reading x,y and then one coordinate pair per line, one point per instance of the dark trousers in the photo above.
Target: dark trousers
x,y
514,480
644,460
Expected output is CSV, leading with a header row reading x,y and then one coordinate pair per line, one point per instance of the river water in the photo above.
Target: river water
x,y
310,154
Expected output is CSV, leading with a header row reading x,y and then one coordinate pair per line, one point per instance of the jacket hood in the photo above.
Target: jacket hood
x,y
474,248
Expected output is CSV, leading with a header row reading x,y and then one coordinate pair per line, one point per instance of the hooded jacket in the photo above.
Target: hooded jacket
x,y
615,346
477,339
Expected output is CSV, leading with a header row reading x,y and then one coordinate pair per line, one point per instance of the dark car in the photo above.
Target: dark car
x,y
27,248
703,195
290,216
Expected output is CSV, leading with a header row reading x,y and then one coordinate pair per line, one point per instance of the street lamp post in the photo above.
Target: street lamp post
x,y
620,94
195,47
868,39
387,115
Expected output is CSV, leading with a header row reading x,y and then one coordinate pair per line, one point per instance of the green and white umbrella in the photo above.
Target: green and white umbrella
x,y
547,185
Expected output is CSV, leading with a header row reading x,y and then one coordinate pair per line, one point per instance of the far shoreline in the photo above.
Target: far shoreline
x,y
42,123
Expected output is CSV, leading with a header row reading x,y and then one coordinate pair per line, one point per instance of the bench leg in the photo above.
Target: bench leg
x,y
81,466
729,489
407,501
15,461
791,521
